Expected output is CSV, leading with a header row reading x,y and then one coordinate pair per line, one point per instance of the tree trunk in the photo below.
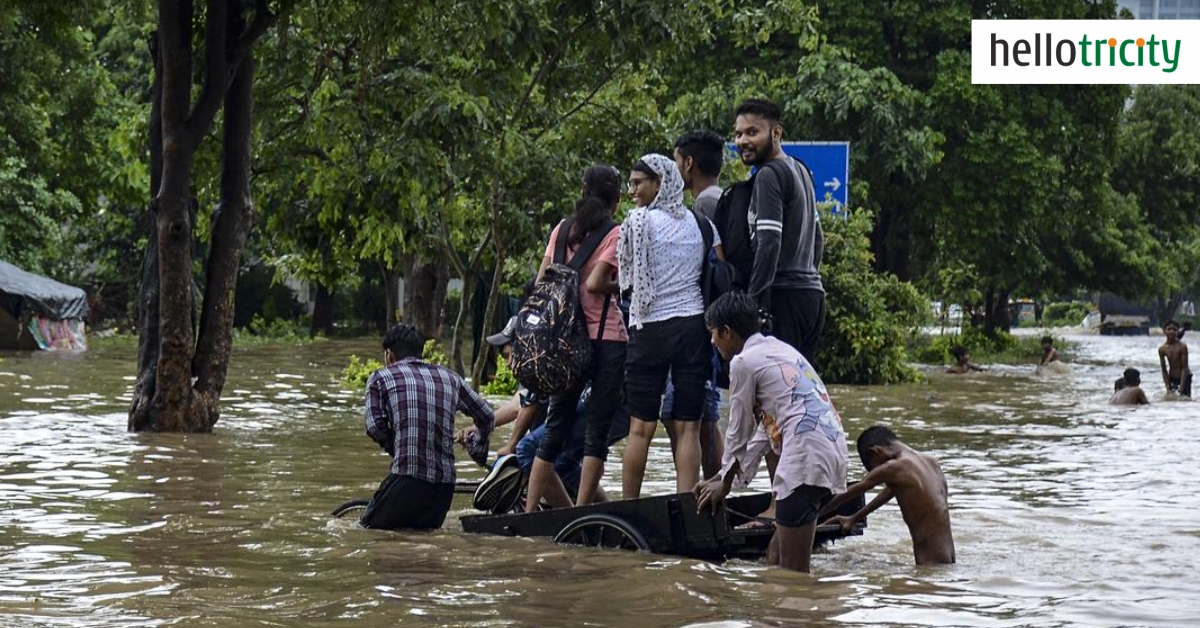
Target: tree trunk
x,y
230,227
148,338
425,285
489,313
180,379
391,290
322,316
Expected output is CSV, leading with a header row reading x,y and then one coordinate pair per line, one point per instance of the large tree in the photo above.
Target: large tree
x,y
182,363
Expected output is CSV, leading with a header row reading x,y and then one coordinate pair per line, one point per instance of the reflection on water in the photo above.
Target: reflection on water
x,y
1066,511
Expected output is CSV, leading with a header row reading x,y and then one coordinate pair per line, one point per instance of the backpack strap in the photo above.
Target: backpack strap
x,y
589,244
560,245
706,236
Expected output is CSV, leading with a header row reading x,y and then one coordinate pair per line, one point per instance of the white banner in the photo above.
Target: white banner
x,y
1085,52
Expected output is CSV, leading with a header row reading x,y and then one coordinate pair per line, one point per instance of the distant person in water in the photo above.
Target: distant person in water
x,y
962,361
1049,353
1129,390
1173,360
919,486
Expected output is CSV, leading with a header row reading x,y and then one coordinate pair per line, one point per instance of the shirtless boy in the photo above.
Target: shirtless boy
x,y
1049,353
1173,360
1129,390
962,361
917,483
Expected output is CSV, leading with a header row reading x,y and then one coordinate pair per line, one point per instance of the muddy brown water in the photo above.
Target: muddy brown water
x,y
1066,512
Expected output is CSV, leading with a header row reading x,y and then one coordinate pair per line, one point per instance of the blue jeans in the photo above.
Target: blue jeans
x,y
570,460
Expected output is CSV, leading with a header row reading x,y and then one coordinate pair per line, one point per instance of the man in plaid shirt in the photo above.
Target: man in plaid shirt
x,y
410,408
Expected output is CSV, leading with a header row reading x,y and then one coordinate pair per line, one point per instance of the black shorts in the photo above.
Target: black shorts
x,y
679,346
802,506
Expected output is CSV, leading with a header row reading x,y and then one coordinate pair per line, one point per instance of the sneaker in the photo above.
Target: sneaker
x,y
501,488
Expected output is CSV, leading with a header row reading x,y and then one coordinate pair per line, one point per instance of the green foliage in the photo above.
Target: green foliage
x,y
433,353
357,372
870,315
262,330
997,347
1068,314
504,383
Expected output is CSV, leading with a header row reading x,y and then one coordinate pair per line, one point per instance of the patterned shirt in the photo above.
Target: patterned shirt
x,y
410,408
777,399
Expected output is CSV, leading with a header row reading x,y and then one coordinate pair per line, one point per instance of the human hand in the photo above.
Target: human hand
x,y
846,523
507,449
710,492
461,436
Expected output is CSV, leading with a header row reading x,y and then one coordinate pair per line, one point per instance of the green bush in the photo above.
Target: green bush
x,y
1067,314
504,383
355,375
870,315
433,353
995,347
262,331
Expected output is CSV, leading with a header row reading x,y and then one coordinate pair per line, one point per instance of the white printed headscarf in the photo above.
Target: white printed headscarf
x,y
633,251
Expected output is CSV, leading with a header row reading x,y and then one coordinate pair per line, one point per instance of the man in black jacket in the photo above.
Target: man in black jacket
x,y
784,230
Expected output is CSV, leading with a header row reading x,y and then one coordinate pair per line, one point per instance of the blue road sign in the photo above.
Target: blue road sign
x,y
830,166
829,163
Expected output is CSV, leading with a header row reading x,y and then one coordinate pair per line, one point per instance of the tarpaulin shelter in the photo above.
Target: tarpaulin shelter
x,y
37,312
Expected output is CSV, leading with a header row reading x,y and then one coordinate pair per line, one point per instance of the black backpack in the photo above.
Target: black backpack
x,y
730,217
551,347
717,276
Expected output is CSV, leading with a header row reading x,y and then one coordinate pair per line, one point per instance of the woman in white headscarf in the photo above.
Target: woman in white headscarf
x,y
661,254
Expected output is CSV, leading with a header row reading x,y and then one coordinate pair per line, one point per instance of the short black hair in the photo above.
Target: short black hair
x,y
645,169
404,341
1170,323
706,147
1048,339
958,351
735,310
874,436
760,107
1132,377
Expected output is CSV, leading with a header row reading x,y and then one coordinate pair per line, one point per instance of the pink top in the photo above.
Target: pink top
x,y
593,304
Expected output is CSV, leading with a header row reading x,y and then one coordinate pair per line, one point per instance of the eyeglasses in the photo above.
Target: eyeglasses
x,y
633,183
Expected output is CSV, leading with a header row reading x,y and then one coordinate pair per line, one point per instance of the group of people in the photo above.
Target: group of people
x,y
663,346
1172,362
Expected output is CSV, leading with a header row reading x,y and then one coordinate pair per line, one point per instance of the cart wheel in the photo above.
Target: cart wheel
x,y
601,530
353,507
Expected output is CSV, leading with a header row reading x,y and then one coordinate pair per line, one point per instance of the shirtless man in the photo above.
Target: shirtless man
x,y
1129,390
917,483
1173,360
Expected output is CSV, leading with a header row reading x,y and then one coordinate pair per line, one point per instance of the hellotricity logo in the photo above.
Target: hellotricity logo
x,y
1048,52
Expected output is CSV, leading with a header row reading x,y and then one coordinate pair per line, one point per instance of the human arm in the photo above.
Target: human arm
x,y
767,204
472,405
847,523
378,420
738,435
1162,365
525,417
602,281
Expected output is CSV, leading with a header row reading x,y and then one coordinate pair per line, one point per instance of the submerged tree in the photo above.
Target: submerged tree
x,y
182,365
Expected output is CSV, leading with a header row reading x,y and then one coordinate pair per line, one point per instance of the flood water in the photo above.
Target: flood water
x,y
1066,512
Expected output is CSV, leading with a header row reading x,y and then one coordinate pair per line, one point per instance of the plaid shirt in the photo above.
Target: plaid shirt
x,y
410,410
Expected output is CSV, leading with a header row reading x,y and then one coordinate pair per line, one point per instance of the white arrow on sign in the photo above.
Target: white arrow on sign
x,y
835,184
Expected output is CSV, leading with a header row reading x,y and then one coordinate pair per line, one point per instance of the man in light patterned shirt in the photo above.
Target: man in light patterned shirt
x,y
774,392
410,408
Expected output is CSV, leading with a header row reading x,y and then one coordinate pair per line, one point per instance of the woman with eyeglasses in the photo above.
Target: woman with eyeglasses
x,y
661,254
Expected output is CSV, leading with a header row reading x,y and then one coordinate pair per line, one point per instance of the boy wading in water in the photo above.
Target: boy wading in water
x,y
772,388
1173,360
917,483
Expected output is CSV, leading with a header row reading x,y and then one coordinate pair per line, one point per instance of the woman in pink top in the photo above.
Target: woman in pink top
x,y
594,211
